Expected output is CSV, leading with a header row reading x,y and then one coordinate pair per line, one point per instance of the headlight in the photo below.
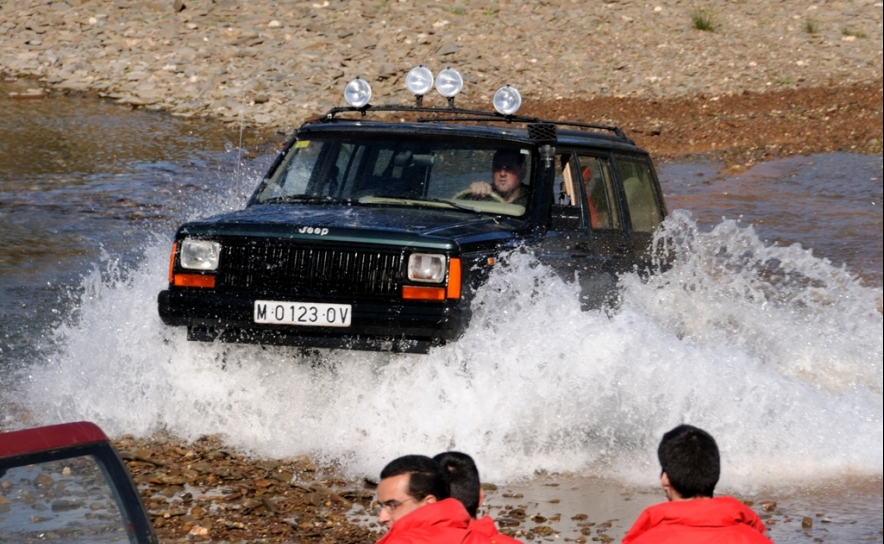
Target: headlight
x,y
200,254
427,268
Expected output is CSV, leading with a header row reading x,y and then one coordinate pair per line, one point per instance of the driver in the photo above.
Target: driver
x,y
507,173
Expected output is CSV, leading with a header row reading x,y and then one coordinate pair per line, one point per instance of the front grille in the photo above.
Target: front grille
x,y
279,268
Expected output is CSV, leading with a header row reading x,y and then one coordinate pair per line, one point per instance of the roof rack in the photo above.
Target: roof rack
x,y
460,114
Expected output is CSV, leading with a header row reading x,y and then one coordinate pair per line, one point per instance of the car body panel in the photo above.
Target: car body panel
x,y
67,482
347,204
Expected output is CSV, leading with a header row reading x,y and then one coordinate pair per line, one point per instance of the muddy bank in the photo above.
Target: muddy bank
x,y
742,129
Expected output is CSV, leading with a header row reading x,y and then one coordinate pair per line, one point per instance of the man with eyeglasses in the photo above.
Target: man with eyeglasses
x,y
463,477
507,174
691,467
415,506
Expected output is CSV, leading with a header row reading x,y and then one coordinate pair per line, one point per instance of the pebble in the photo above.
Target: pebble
x,y
272,64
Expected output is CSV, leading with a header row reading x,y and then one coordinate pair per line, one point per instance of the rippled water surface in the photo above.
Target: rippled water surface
x,y
767,332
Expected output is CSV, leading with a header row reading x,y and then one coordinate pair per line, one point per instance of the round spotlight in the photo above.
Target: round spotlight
x,y
507,100
357,93
449,82
419,80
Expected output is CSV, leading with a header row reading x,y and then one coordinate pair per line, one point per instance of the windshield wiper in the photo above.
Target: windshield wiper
x,y
309,199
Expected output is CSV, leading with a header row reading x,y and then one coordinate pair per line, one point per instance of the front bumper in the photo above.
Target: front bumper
x,y
393,325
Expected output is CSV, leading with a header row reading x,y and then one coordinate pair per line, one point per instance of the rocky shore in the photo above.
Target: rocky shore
x,y
272,64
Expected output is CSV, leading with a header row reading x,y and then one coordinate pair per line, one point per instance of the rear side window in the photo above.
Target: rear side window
x,y
645,214
598,183
71,499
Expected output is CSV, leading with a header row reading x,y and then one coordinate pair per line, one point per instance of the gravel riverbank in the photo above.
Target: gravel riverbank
x,y
272,64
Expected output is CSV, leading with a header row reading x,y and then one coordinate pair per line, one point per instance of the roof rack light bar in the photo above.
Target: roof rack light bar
x,y
459,114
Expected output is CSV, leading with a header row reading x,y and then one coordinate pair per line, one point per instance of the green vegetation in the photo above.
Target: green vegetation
x,y
788,80
491,12
458,11
701,19
855,33
811,26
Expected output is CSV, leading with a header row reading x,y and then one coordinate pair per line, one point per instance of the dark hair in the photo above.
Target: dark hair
x,y
510,151
426,476
463,477
689,457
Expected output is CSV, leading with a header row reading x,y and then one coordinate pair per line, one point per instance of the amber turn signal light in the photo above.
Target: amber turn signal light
x,y
172,262
453,290
410,292
193,280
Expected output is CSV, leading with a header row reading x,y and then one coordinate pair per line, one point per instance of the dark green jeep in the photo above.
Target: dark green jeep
x,y
372,233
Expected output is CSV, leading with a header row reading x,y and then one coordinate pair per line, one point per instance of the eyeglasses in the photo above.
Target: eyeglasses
x,y
392,504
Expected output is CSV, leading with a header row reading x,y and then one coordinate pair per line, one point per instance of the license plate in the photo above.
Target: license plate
x,y
307,314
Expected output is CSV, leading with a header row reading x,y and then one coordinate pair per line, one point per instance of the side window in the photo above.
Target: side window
x,y
565,185
598,183
71,499
641,198
566,214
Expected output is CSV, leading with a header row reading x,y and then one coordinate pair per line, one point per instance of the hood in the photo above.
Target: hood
x,y
718,512
421,227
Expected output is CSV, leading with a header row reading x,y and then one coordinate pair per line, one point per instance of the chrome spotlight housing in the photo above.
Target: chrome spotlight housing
x,y
449,82
507,100
357,93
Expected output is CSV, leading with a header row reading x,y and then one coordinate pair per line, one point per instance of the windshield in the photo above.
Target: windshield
x,y
470,177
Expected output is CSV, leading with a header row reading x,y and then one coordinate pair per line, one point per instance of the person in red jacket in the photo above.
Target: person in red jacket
x,y
691,467
463,477
415,505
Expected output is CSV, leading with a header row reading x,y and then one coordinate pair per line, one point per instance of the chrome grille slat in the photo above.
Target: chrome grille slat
x,y
281,268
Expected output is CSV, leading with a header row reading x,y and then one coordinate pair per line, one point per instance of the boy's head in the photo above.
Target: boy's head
x,y
690,461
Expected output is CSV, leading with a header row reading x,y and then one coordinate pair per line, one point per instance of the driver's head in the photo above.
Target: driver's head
x,y
508,171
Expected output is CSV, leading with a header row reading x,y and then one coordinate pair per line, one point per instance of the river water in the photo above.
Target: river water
x,y
767,332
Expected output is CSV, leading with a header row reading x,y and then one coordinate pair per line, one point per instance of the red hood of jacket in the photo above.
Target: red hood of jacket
x,y
443,522
698,514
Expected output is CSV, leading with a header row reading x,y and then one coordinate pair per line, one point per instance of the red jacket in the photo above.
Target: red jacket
x,y
443,522
722,520
486,527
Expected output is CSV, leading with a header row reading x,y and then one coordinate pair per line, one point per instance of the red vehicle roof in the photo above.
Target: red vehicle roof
x,y
49,437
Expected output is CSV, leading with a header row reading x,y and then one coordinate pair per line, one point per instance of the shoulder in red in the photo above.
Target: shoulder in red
x,y
443,522
723,520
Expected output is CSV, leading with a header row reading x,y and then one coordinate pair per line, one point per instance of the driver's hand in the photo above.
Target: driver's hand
x,y
480,189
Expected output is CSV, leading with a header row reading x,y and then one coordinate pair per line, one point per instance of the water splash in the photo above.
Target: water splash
x,y
775,352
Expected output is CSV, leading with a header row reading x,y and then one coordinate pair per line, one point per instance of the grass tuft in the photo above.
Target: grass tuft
x,y
855,33
701,19
811,26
